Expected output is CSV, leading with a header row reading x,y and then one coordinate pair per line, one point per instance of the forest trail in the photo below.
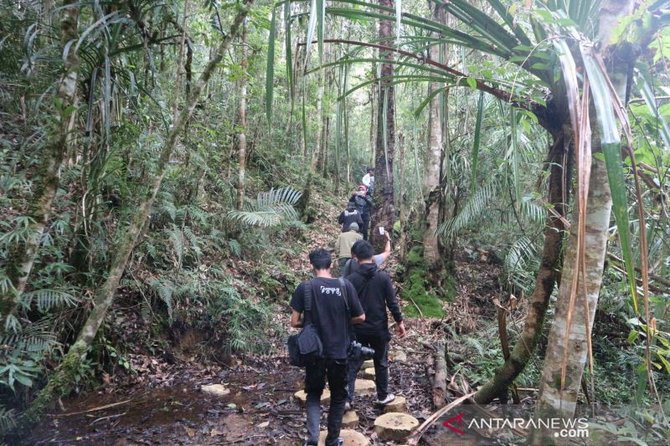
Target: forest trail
x,y
164,403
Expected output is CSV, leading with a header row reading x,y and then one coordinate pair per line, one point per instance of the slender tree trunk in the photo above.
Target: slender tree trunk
x,y
316,154
61,380
23,255
384,212
242,136
544,281
433,166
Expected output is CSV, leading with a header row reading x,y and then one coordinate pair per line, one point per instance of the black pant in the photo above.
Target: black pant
x,y
381,347
366,221
315,381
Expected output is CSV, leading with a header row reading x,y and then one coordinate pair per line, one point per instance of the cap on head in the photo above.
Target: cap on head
x,y
353,227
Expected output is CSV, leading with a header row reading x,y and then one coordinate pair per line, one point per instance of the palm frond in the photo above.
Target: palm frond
x,y
474,208
520,264
269,209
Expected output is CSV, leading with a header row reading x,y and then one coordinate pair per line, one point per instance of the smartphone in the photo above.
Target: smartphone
x,y
381,230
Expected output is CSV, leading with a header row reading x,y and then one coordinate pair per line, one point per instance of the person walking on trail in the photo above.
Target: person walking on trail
x,y
348,216
334,306
376,293
369,180
344,243
363,203
351,265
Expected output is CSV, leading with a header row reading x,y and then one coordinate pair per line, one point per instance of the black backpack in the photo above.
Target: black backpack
x,y
305,347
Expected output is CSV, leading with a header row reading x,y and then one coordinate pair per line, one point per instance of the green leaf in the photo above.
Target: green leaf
x,y
472,82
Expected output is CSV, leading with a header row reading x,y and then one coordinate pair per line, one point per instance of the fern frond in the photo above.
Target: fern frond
x,y
165,289
7,420
47,299
194,241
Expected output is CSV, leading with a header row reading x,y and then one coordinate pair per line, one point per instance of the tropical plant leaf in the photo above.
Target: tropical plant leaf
x,y
270,208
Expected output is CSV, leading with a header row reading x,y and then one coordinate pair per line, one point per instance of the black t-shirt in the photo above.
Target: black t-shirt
x,y
329,312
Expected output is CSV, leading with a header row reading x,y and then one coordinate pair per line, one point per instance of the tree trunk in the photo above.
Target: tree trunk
x,y
433,167
558,398
544,281
22,256
242,136
316,154
569,338
61,380
384,212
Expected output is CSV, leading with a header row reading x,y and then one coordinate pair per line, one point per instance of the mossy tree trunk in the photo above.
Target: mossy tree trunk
x,y
62,379
23,255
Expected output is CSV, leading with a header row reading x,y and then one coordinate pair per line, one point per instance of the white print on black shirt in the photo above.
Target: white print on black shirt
x,y
327,290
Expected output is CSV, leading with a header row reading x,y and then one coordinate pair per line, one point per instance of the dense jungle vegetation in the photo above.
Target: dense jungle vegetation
x,y
166,166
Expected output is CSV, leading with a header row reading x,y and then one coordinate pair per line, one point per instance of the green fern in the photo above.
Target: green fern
x,y
165,290
47,299
270,208
7,420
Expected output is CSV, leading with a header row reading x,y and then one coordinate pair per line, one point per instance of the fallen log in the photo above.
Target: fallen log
x,y
440,377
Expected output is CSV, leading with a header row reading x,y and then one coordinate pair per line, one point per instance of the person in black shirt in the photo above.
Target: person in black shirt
x,y
348,216
376,293
363,203
334,307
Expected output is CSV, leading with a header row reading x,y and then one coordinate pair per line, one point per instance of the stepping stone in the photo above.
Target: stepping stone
x,y
215,390
395,426
350,420
350,437
399,404
369,373
367,364
365,387
398,356
301,396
